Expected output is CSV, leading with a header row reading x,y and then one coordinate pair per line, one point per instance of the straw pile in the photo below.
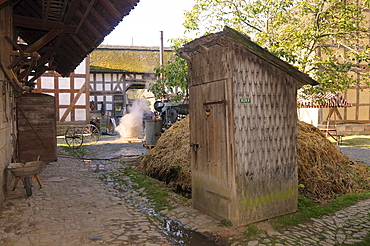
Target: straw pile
x,y
323,171
169,160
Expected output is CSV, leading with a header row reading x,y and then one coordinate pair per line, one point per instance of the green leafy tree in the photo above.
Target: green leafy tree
x,y
172,76
327,39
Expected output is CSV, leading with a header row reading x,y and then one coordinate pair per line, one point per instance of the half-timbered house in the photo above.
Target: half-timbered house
x,y
117,73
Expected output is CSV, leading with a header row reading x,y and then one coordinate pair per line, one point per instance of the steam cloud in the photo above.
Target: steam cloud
x,y
131,124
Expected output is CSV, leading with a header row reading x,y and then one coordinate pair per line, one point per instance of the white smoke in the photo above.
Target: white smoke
x,y
131,124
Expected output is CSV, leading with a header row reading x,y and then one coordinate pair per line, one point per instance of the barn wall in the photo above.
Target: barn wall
x,y
265,138
7,117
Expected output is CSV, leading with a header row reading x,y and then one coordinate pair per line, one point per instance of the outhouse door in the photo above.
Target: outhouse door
x,y
210,152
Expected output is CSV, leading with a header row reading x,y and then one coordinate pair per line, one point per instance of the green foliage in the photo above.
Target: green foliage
x,y
225,223
252,230
176,168
324,38
172,76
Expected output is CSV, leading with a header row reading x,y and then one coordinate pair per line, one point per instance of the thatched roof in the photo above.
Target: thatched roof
x,y
127,58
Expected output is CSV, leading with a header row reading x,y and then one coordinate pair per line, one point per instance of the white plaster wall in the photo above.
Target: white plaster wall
x,y
47,82
81,69
309,115
80,114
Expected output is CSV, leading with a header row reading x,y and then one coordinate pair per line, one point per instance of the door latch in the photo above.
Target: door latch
x,y
195,146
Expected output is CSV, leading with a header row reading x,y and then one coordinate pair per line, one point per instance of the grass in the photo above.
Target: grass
x,y
355,141
252,230
155,191
80,152
308,209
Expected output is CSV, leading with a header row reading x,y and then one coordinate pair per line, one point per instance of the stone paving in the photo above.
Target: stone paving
x,y
75,208
347,226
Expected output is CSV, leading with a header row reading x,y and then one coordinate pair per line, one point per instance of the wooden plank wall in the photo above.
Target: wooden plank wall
x,y
265,137
36,128
213,170
7,102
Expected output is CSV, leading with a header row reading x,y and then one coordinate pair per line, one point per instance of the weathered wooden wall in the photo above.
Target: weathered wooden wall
x,y
36,124
265,137
7,114
243,134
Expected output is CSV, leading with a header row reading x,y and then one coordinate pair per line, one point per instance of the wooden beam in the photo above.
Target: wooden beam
x,y
95,33
40,62
40,24
111,9
43,41
71,11
74,101
87,12
98,16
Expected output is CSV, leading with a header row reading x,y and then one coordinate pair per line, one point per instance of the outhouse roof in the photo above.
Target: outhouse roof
x,y
203,43
135,59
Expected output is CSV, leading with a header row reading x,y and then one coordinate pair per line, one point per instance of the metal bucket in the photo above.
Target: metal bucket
x,y
153,131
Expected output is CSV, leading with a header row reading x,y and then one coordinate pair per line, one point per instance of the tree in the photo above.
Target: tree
x,y
172,76
327,39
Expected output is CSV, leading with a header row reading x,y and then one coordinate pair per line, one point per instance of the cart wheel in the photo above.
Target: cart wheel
x,y
91,133
27,184
74,137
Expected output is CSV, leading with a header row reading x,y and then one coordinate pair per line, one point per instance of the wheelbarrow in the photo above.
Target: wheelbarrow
x,y
26,172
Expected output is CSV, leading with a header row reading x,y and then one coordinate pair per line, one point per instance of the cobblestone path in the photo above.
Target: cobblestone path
x,y
73,208
347,226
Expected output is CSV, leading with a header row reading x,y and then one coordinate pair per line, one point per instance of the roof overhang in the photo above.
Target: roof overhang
x,y
58,34
200,44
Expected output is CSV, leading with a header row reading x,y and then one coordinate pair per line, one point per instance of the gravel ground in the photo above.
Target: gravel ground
x,y
359,154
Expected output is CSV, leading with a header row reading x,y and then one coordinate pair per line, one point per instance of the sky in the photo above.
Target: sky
x,y
143,25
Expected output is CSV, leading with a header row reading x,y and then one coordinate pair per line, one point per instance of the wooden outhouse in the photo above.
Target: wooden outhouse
x,y
243,116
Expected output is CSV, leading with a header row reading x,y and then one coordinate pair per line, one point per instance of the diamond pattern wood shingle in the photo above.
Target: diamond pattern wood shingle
x,y
243,128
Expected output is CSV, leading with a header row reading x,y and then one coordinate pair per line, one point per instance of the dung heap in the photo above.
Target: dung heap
x,y
323,171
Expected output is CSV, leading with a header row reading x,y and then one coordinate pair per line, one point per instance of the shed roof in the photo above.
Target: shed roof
x,y
198,45
64,32
127,58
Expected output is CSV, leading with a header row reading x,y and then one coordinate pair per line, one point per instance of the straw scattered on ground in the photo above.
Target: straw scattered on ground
x,y
323,171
